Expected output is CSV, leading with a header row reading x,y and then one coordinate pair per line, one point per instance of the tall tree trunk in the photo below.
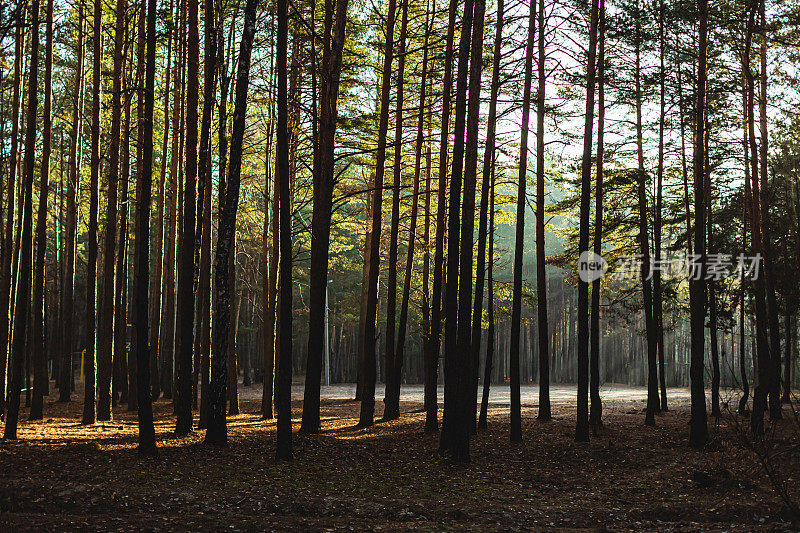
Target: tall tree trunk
x,y
516,303
272,296
94,192
105,323
455,438
40,378
283,450
431,422
698,428
324,182
789,345
147,436
7,253
412,231
391,400
764,374
541,272
233,363
469,353
217,432
120,381
368,373
773,310
23,292
596,403
658,311
185,299
489,363
582,424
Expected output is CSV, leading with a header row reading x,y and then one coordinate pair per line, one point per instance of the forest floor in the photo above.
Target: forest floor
x,y
61,475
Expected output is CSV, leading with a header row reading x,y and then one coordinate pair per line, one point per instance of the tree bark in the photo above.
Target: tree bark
x,y
516,304
23,292
324,181
41,380
368,373
391,409
284,378
217,432
582,423
184,334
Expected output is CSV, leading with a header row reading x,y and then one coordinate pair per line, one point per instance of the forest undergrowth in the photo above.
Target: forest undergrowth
x,y
61,474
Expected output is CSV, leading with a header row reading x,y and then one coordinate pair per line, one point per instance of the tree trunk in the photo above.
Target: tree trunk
x,y
23,292
368,373
185,299
105,323
698,428
283,398
658,312
391,400
489,364
469,353
233,346
94,192
582,424
217,432
324,181
455,438
41,380
541,272
8,239
516,305
596,403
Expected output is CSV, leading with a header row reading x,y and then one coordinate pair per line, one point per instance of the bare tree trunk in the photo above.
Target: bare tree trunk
x,y
391,409
541,272
469,353
489,364
698,429
147,435
283,398
40,379
217,432
233,363
764,365
454,438
185,300
582,423
368,373
516,305
658,311
412,231
8,239
596,403
23,292
94,192
105,323
324,181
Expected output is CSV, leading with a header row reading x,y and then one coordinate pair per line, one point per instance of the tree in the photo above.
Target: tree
x,y
333,37
367,414
23,295
402,333
431,422
582,423
185,299
147,435
89,414
522,187
40,378
489,361
698,428
7,254
454,438
541,273
596,405
217,429
394,363
283,399
105,328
